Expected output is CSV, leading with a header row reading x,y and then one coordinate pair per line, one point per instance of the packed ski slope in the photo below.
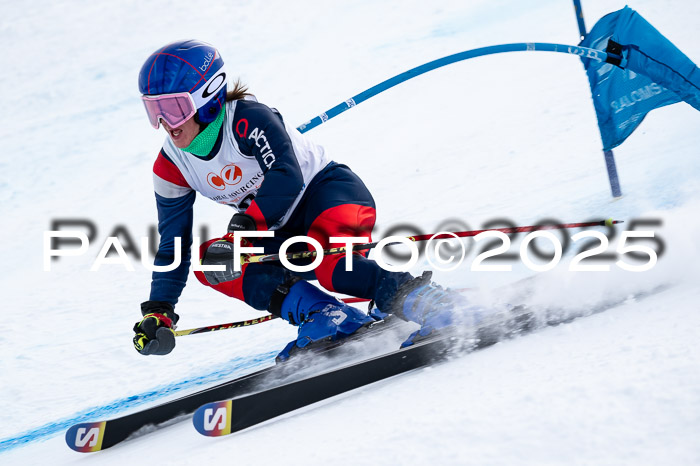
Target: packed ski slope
x,y
508,136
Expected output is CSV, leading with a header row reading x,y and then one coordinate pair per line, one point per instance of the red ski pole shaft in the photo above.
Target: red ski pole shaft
x,y
446,235
525,229
361,247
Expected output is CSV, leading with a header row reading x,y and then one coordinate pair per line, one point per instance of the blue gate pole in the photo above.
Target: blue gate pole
x,y
579,18
607,154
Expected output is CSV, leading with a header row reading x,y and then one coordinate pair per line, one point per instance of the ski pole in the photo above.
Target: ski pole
x,y
361,247
212,328
459,234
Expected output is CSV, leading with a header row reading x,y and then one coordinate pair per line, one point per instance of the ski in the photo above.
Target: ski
x,y
95,436
228,416
103,434
238,413
100,435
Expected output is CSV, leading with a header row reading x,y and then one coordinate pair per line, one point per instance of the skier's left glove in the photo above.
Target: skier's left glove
x,y
154,333
220,252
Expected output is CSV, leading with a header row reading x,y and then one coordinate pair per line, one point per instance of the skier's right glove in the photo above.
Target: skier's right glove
x,y
154,333
241,222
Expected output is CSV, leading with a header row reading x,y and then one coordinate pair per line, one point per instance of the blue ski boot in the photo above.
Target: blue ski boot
x,y
319,316
433,307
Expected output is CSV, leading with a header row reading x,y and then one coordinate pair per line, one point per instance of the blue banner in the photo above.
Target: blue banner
x,y
652,73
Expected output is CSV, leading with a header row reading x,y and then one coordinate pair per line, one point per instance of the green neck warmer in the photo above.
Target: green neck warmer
x,y
202,145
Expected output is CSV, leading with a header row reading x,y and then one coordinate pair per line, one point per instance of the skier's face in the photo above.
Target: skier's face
x,y
183,135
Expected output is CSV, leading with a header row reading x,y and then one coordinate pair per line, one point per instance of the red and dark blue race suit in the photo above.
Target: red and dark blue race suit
x,y
335,202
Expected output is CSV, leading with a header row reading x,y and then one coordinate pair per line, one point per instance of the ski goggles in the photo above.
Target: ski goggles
x,y
174,109
179,107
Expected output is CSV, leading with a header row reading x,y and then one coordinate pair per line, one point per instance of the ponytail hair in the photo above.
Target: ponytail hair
x,y
238,92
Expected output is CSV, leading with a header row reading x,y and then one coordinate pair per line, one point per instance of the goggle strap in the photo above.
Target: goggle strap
x,y
207,92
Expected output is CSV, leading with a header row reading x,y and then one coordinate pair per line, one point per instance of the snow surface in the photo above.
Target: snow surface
x,y
507,136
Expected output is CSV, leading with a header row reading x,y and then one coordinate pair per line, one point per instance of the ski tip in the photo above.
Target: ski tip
x,y
213,419
86,437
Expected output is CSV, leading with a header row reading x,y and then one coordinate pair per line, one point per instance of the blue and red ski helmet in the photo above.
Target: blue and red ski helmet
x,y
189,66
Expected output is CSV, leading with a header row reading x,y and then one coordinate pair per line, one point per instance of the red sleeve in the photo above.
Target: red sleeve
x,y
168,171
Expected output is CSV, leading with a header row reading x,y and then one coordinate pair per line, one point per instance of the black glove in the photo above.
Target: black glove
x,y
154,333
221,252
241,222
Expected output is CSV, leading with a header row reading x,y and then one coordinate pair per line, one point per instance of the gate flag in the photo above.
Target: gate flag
x,y
651,73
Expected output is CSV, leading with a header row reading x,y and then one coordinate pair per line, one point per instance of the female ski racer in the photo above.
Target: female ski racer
x,y
239,152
